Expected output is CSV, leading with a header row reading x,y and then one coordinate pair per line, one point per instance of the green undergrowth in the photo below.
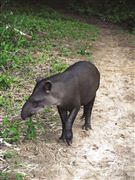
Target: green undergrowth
x,y
35,41
119,12
15,176
45,30
17,131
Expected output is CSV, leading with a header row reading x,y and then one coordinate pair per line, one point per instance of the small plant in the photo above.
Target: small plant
x,y
84,52
4,102
5,81
9,154
4,175
57,67
19,176
65,51
9,130
30,129
7,176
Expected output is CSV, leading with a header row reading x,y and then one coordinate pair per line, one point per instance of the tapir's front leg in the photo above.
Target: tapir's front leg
x,y
64,116
68,125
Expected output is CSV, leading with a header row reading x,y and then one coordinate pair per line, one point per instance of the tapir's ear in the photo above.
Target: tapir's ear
x,y
38,79
48,86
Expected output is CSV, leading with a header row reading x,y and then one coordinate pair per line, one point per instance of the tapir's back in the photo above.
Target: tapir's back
x,y
87,78
85,72
83,66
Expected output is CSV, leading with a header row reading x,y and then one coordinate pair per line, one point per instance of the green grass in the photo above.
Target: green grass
x,y
48,30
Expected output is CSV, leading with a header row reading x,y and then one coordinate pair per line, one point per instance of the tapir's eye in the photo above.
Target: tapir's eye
x,y
35,104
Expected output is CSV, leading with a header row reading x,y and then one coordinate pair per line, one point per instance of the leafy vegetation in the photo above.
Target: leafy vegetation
x,y
7,176
9,154
4,175
45,29
31,130
6,80
19,176
12,131
9,130
120,12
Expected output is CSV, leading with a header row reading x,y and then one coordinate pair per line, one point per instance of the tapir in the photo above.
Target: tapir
x,y
69,90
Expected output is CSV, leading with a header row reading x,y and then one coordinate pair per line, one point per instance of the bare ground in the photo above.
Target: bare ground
x,y
106,152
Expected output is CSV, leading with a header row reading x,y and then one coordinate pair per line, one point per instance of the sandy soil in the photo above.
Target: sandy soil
x,y
106,152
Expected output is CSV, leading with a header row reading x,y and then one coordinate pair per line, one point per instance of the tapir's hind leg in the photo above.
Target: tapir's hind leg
x,y
87,114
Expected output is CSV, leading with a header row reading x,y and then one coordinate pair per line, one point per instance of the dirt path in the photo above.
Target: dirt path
x,y
106,152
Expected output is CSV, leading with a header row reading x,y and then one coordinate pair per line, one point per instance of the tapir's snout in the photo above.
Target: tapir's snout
x,y
26,111
22,116
25,115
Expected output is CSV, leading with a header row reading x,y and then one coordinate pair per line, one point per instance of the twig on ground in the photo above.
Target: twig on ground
x,y
2,142
22,33
1,159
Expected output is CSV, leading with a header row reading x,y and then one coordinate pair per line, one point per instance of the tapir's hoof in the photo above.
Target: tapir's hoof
x,y
87,127
66,137
69,142
62,139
